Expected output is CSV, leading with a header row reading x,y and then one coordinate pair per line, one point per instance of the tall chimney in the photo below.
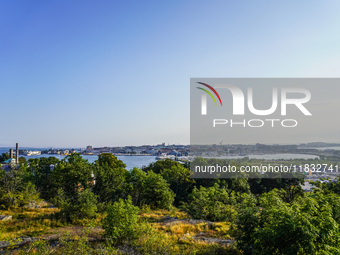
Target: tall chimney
x,y
11,153
17,151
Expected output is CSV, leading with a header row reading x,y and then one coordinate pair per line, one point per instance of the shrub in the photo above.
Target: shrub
x,y
83,206
150,189
15,191
213,203
306,226
180,182
121,221
153,242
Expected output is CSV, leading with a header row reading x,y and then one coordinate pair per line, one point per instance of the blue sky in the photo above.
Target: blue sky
x,y
111,73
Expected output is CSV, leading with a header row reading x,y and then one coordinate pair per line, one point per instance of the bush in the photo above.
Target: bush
x,y
15,190
153,242
213,203
180,182
150,189
121,221
83,206
307,226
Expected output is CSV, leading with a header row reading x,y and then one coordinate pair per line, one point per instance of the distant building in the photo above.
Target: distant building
x,y
9,161
128,150
30,153
151,151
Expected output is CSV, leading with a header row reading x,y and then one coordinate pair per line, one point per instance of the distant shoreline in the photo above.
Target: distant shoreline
x,y
116,154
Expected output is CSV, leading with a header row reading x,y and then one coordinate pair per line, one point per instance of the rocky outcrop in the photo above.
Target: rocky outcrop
x,y
17,242
203,237
168,219
5,217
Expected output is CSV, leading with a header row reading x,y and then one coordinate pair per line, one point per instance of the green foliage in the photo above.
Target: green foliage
x,y
68,246
71,184
150,189
156,191
180,182
158,166
121,221
262,185
41,174
110,176
236,184
22,161
152,242
27,195
213,203
15,190
283,221
177,175
72,174
82,206
329,187
4,157
309,225
108,159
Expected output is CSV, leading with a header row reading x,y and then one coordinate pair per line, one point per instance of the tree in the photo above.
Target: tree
x,y
108,159
263,185
150,189
72,183
22,161
180,182
329,187
160,165
306,226
156,191
213,203
72,174
41,172
4,157
109,175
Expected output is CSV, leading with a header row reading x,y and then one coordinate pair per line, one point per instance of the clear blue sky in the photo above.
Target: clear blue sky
x,y
75,73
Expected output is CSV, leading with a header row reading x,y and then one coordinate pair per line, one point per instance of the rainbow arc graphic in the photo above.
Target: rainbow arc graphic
x,y
209,93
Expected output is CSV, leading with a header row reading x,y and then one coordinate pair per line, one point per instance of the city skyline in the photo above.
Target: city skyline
x,y
118,73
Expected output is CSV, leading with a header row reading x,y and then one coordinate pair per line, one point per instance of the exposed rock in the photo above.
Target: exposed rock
x,y
168,219
128,250
203,237
5,217
32,205
17,242
44,204
202,234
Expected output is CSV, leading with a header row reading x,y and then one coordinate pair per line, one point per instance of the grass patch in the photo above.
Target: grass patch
x,y
28,222
154,235
148,215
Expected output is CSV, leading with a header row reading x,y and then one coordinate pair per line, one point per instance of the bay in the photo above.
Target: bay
x,y
129,161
